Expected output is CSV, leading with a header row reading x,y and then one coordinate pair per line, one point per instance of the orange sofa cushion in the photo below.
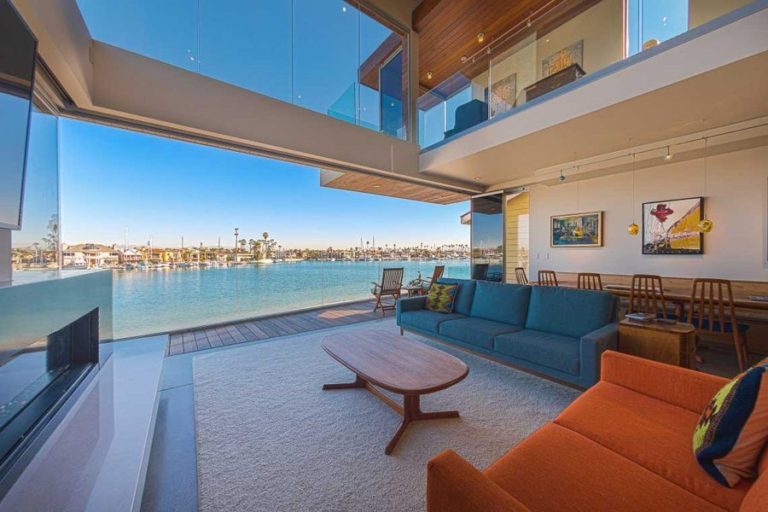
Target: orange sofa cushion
x,y
558,469
652,433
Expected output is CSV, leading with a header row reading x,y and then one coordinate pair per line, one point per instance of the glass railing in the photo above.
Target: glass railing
x,y
179,290
557,45
336,57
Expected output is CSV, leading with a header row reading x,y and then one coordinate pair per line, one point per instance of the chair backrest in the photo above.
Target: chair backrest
x,y
589,281
548,278
438,272
480,271
392,279
711,307
520,275
647,295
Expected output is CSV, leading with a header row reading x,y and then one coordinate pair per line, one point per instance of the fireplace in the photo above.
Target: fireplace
x,y
37,376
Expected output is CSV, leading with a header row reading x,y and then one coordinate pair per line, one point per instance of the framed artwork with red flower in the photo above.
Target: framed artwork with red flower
x,y
672,226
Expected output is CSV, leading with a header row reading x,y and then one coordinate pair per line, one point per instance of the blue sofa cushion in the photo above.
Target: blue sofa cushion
x,y
475,331
463,302
426,320
569,312
506,303
542,348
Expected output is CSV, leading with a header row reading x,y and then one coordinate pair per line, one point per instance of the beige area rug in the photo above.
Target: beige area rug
x,y
269,439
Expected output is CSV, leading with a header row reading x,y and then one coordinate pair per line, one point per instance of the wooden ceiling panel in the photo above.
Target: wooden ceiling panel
x,y
394,188
448,31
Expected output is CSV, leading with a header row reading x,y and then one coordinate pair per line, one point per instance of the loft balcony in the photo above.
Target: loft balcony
x,y
591,75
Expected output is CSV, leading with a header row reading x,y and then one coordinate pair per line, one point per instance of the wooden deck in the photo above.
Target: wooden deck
x,y
183,342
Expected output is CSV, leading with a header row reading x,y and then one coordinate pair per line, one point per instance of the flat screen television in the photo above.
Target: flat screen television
x,y
17,71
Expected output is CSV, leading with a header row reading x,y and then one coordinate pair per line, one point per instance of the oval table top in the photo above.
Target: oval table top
x,y
395,363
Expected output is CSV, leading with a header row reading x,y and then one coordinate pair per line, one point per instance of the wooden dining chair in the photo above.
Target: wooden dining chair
x,y
647,296
547,278
589,281
711,311
520,275
391,286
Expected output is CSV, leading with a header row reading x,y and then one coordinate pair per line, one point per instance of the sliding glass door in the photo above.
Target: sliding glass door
x,y
488,238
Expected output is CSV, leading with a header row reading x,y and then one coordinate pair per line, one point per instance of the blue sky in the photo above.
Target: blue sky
x,y
115,181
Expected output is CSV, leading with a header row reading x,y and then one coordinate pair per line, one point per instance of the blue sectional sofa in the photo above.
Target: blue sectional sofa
x,y
558,332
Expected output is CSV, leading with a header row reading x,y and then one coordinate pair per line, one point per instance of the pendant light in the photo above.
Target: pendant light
x,y
705,225
633,229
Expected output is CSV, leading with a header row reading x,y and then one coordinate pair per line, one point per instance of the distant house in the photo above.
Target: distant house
x,y
90,256
130,256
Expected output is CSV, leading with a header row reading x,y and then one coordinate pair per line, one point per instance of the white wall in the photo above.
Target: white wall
x,y
735,201
702,11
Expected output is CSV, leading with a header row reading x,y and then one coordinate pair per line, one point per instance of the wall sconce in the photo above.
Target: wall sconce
x,y
668,156
481,37
429,75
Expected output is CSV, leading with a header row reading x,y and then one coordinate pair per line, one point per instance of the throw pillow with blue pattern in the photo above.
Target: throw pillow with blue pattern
x,y
733,430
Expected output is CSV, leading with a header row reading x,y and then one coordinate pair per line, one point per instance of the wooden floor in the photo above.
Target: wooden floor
x,y
253,330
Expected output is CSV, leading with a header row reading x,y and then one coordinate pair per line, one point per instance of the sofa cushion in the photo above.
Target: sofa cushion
x,y
542,348
733,428
463,303
506,303
441,297
426,320
556,469
569,312
475,331
653,434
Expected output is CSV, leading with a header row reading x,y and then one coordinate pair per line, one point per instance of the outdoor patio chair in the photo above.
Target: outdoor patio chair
x,y
391,286
436,274
480,271
520,275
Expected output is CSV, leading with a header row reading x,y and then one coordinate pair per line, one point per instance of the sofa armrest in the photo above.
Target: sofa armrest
x,y
682,387
410,304
454,485
592,347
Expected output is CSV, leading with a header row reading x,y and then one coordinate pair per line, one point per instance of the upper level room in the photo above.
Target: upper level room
x,y
503,56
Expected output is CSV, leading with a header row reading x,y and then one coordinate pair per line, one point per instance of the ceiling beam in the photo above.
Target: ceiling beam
x,y
422,12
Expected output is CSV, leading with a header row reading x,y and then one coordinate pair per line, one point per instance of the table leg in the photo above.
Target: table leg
x,y
359,383
412,412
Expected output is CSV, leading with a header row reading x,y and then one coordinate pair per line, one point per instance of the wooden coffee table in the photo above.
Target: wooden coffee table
x,y
386,360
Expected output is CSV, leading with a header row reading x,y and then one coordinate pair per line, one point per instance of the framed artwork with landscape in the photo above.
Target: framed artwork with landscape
x,y
577,230
672,226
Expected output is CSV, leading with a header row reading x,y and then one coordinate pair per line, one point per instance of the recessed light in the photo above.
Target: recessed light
x,y
477,178
377,186
344,8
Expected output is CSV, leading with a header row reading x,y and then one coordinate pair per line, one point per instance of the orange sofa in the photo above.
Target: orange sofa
x,y
623,445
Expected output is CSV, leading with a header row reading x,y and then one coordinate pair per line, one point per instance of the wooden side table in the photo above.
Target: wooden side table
x,y
667,343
